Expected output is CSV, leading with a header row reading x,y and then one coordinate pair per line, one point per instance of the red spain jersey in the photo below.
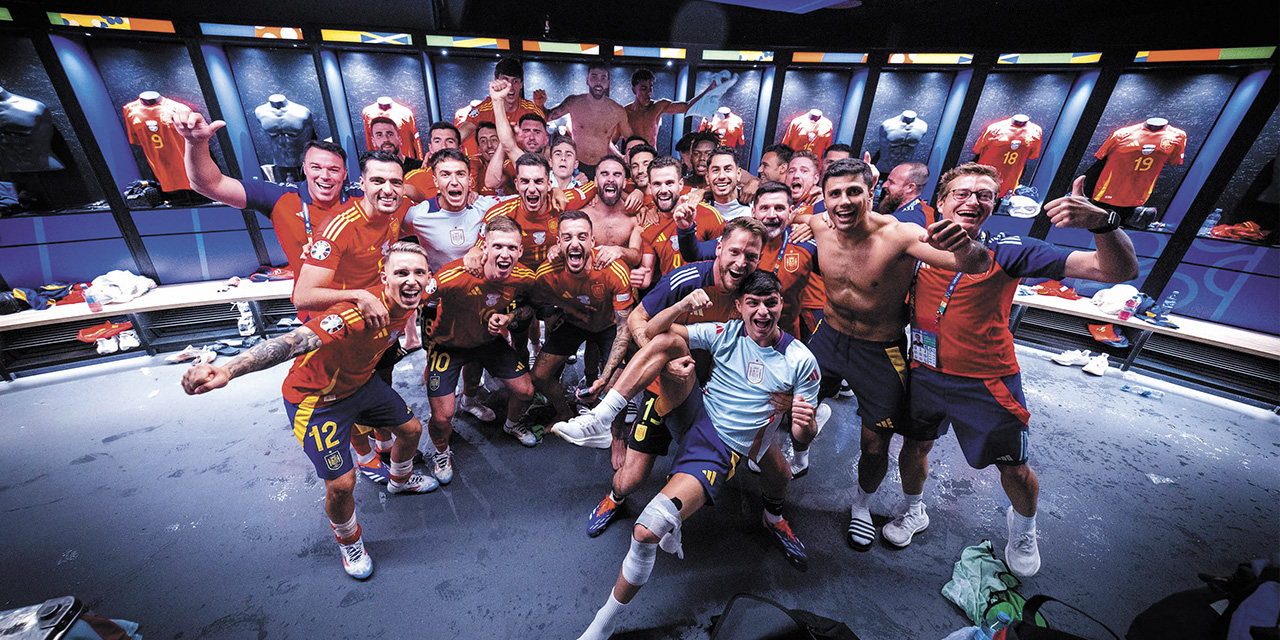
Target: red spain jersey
x,y
162,146
348,353
815,291
809,134
406,125
793,264
1007,147
424,180
478,168
465,303
661,238
353,244
483,112
589,299
729,129
295,217
539,230
1135,155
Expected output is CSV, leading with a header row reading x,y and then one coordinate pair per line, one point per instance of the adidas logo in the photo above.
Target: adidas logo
x,y
1005,458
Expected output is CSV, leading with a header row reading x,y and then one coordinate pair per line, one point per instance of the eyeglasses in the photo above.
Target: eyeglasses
x,y
984,196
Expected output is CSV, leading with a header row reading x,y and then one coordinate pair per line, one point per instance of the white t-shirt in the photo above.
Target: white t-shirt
x,y
447,235
732,209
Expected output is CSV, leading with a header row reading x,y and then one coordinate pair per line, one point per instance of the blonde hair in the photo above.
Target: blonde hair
x,y
967,169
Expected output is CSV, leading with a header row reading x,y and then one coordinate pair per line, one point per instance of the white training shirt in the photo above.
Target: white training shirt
x,y
447,235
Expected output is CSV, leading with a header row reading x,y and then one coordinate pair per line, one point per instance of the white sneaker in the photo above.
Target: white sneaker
x,y
355,560
1097,366
520,431
108,345
442,466
1073,357
585,430
128,340
473,406
192,354
417,483
821,416
899,532
752,466
1022,554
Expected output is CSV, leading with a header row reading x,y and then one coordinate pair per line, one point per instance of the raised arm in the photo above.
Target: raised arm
x,y
682,107
203,173
203,378
1114,260
498,92
665,320
944,245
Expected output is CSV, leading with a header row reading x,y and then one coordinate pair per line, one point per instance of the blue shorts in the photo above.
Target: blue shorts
x,y
444,365
809,320
990,416
325,432
877,371
701,453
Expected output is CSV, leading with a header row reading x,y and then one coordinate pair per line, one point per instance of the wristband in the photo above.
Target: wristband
x,y
1112,223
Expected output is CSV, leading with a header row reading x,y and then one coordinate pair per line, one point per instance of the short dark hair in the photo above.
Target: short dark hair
x,y
508,67
560,139
502,223
837,147
917,173
704,136
486,124
745,223
783,152
609,157
533,160
323,145
760,282
640,76
722,150
662,162
576,214
531,116
378,155
772,186
444,126
633,139
598,64
685,143
383,120
644,148
450,154
848,167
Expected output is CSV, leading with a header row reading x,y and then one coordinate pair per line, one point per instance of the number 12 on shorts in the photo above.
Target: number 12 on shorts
x,y
329,430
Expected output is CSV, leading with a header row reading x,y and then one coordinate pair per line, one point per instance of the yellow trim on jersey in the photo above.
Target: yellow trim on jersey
x,y
450,275
303,416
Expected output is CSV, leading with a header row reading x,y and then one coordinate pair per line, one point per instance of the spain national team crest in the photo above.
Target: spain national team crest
x,y
597,291
320,250
434,382
1148,149
457,236
333,461
755,372
539,237
153,126
1166,145
791,262
492,299
331,323
1015,144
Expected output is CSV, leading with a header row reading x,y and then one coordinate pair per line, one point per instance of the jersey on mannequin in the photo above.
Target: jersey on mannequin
x,y
289,126
26,132
405,121
810,131
1132,158
726,124
1007,145
145,120
899,136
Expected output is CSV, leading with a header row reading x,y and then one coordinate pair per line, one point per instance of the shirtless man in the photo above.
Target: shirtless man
x,y
867,261
645,113
598,121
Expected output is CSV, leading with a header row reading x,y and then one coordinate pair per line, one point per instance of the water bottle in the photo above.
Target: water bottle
x,y
90,298
1167,305
986,632
1154,394
1130,306
1210,222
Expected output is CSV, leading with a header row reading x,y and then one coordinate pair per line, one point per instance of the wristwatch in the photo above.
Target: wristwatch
x,y
1113,223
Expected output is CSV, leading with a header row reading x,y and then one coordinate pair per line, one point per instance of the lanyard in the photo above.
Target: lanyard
x,y
946,297
786,236
306,220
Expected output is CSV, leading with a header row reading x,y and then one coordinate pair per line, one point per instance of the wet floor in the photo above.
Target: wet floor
x,y
201,517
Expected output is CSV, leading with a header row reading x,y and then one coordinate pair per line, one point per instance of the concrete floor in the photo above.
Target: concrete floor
x,y
200,518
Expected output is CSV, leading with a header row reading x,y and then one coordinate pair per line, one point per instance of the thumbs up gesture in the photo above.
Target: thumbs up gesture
x,y
1075,210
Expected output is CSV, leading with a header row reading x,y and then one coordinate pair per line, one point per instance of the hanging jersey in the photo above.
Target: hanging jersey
x,y
406,126
745,374
588,299
1134,157
809,134
348,353
295,217
465,303
973,336
662,239
539,230
729,129
1007,147
447,235
148,128
353,244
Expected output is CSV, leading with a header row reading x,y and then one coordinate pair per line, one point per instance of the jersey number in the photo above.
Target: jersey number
x,y
1143,164
330,431
1010,157
157,141
440,362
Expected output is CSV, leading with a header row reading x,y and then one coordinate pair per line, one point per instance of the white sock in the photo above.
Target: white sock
x,y
861,499
401,469
772,518
602,626
510,424
610,406
613,495
800,458
1023,524
913,501
366,458
383,446
346,530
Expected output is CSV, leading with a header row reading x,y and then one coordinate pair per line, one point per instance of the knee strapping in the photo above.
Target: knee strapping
x,y
638,564
662,517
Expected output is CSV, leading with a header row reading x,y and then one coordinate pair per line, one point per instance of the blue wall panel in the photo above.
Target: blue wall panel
x,y
273,248
206,256
63,228
1147,244
84,261
1230,297
160,221
1238,256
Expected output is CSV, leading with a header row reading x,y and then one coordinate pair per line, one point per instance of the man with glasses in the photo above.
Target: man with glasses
x,y
867,261
964,373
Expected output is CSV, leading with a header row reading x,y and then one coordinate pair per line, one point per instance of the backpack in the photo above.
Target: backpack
x,y
749,617
1020,629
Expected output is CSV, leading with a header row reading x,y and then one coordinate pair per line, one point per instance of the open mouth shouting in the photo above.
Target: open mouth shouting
x,y
733,275
665,201
575,258
763,320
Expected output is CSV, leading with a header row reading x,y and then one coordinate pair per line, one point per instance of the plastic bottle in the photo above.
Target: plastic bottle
x,y
90,298
988,632
1167,305
1130,306
1210,222
1154,394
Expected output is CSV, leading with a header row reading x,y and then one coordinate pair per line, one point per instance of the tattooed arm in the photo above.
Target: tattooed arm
x,y
616,353
203,378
